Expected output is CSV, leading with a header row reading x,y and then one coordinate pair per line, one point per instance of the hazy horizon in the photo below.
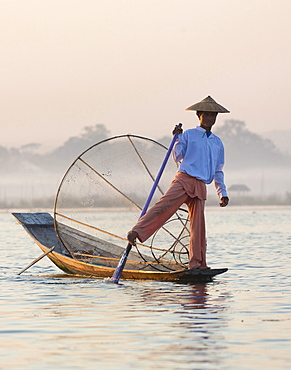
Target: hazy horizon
x,y
136,66
280,138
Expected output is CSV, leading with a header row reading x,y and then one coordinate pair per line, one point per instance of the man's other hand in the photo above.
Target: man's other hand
x,y
224,201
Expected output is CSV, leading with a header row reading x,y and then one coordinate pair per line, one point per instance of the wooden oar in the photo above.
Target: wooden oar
x,y
36,260
117,273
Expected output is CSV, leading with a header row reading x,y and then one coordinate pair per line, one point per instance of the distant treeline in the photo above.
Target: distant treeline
x,y
243,149
48,203
13,160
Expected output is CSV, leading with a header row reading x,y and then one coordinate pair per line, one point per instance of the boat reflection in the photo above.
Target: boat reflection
x,y
196,318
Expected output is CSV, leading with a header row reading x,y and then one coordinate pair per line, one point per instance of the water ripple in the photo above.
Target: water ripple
x,y
240,321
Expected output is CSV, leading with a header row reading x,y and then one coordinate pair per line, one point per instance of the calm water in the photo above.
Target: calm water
x,y
242,320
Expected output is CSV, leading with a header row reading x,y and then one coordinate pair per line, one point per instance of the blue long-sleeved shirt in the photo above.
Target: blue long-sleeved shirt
x,y
202,157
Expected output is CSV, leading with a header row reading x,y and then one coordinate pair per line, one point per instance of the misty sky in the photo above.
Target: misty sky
x,y
135,65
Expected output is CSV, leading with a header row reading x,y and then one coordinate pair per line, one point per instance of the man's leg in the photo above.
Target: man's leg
x,y
197,250
159,213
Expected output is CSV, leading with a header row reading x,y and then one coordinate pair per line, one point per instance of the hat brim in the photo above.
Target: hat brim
x,y
208,107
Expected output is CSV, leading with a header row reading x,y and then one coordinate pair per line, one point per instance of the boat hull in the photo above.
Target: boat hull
x,y
40,228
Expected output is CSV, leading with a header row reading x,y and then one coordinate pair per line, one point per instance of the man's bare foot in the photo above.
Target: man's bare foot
x,y
199,267
195,267
204,267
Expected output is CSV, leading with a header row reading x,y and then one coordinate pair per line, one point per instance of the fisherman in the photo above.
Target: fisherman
x,y
202,158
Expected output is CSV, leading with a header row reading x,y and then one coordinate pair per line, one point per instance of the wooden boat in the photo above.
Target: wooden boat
x,y
98,263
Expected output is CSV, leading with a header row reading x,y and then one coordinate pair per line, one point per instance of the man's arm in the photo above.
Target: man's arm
x,y
219,180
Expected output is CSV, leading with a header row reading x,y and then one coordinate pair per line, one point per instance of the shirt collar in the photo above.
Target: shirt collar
x,y
199,128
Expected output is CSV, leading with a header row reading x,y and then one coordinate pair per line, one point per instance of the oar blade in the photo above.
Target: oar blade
x,y
117,273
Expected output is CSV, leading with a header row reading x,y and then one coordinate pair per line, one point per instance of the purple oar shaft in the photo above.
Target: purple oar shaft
x,y
117,273
151,194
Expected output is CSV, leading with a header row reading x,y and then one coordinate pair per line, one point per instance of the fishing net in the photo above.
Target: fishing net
x,y
101,196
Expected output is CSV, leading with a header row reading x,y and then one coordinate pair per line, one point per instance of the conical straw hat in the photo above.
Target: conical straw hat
x,y
208,105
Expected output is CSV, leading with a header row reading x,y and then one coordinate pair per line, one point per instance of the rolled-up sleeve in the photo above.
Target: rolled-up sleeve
x,y
219,175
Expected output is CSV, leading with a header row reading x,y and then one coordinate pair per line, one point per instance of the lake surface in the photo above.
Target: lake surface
x,y
241,320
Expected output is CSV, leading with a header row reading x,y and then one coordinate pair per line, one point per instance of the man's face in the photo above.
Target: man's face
x,y
207,119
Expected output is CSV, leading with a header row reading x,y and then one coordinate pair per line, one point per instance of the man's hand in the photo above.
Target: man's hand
x,y
224,201
177,130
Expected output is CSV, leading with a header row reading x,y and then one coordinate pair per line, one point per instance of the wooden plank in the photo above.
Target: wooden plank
x,y
40,226
29,219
